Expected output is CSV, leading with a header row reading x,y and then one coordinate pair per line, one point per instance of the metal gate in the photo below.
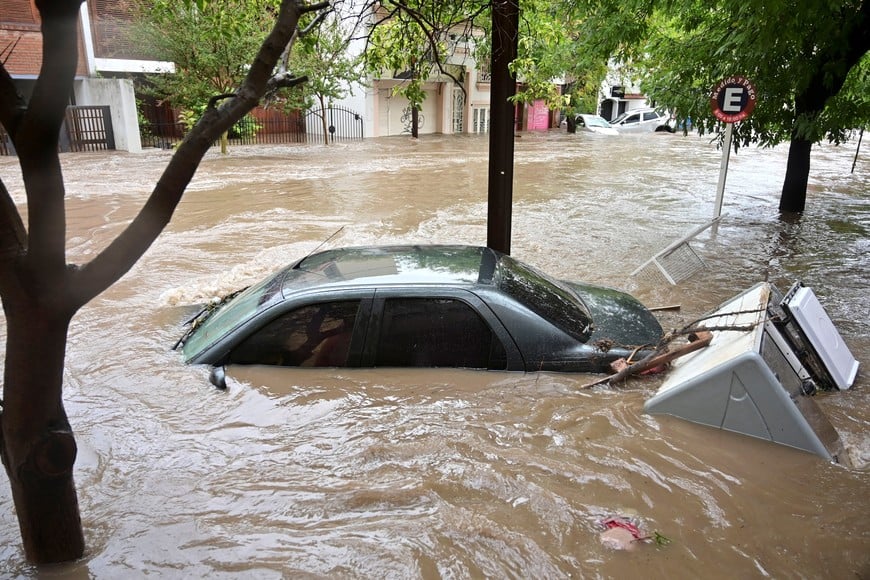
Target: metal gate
x,y
85,128
458,110
88,128
341,125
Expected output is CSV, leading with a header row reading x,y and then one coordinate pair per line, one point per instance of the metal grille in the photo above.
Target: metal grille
x,y
480,120
89,128
458,110
5,142
341,125
677,262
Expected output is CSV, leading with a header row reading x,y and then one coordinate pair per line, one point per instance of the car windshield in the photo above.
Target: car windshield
x,y
544,296
619,119
596,122
229,315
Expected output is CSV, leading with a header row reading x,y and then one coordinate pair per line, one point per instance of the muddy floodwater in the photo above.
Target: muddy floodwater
x,y
438,473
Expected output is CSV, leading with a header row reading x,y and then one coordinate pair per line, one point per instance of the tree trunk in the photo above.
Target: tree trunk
x,y
571,123
415,122
37,446
794,188
225,142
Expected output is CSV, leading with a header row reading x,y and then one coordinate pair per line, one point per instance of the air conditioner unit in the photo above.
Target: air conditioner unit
x,y
769,354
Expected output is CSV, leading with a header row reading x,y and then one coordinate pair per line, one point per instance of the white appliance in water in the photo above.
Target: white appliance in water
x,y
823,337
770,354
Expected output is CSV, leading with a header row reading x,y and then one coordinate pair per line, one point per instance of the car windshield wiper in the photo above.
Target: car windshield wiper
x,y
200,317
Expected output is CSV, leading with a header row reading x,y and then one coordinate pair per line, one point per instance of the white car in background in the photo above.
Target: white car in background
x,y
595,124
592,124
639,120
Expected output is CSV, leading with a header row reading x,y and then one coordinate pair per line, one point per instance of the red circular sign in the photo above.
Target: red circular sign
x,y
732,99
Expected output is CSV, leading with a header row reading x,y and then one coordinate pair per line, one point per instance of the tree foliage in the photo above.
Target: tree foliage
x,y
210,42
322,56
549,52
409,41
808,60
789,50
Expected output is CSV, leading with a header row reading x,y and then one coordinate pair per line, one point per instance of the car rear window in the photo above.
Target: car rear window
x,y
545,297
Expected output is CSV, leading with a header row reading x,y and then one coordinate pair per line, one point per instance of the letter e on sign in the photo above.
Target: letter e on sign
x,y
732,99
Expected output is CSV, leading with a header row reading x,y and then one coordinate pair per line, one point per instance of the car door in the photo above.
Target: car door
x,y
651,119
323,330
447,328
631,121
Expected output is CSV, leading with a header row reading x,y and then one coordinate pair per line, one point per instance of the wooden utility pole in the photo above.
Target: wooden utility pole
x,y
505,26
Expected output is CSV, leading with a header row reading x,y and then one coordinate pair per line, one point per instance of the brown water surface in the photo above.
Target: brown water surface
x,y
454,474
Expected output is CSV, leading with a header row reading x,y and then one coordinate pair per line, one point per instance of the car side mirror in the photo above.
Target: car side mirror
x,y
218,377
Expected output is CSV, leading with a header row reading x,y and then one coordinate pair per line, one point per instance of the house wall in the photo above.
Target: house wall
x,y
391,114
19,30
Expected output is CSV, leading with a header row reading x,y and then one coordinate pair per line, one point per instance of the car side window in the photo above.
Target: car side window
x,y
436,332
318,335
650,116
632,119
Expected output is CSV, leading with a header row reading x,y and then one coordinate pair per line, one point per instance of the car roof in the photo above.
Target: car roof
x,y
451,265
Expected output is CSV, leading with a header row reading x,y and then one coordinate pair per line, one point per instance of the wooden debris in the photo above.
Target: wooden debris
x,y
661,356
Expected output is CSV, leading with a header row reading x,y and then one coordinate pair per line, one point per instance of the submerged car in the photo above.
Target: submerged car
x,y
592,124
639,120
420,306
595,124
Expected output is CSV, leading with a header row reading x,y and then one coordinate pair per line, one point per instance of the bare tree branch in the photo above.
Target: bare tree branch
x,y
37,154
12,103
439,23
284,61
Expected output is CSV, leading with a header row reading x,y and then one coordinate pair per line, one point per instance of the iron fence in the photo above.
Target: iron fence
x,y
89,128
159,127
341,125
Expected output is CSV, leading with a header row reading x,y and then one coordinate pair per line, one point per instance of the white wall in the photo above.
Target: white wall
x,y
118,94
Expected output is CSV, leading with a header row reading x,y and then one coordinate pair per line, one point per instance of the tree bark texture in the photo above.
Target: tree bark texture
x,y
794,188
571,122
324,122
36,443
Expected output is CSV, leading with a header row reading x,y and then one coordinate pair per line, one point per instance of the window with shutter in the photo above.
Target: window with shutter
x,y
18,12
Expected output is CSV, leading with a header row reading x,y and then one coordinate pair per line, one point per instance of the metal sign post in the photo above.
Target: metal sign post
x,y
723,170
732,100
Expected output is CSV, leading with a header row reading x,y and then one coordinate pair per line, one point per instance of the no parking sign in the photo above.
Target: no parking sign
x,y
732,99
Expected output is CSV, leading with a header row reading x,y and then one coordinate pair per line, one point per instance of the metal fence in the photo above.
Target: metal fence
x,y
160,127
89,128
341,125
6,147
